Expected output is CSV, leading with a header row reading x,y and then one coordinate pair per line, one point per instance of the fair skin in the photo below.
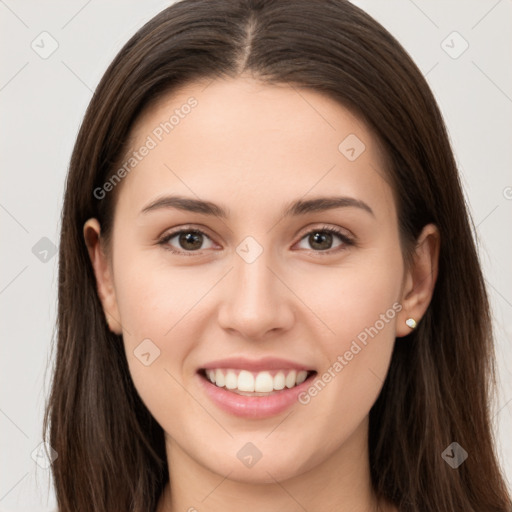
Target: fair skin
x,y
253,149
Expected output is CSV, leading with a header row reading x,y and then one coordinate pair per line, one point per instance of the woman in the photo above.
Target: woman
x,y
269,292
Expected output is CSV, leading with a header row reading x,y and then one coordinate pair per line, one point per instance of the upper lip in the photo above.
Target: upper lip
x,y
255,365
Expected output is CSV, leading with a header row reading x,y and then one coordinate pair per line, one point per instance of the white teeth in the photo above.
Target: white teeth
x,y
231,380
245,381
257,382
279,381
264,383
301,377
290,379
219,378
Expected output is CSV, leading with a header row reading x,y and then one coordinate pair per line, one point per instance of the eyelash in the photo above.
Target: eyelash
x,y
325,229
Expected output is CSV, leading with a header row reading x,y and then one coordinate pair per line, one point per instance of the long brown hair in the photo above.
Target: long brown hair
x,y
441,382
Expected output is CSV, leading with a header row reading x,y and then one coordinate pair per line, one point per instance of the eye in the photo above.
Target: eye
x,y
321,239
188,240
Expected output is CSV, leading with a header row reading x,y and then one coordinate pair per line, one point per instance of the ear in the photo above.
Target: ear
x,y
419,279
103,273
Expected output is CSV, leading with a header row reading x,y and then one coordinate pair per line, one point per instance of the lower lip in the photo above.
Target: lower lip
x,y
255,407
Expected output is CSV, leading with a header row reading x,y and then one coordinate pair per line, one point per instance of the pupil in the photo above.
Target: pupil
x,y
320,237
187,240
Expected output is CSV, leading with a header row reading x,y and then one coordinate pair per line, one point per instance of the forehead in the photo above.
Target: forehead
x,y
239,138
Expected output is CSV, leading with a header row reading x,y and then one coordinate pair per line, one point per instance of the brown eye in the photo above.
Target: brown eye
x,y
321,240
185,241
190,241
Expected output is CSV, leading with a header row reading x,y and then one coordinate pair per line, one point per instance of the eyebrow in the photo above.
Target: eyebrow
x,y
296,208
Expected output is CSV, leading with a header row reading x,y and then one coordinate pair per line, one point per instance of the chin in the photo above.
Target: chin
x,y
267,470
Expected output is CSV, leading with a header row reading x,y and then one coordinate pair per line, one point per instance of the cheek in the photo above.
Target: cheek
x,y
354,298
360,305
161,308
153,304
157,339
153,297
347,386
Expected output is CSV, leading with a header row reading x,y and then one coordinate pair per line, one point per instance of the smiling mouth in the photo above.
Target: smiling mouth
x,y
263,383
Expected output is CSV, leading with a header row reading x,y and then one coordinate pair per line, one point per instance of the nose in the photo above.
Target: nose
x,y
256,300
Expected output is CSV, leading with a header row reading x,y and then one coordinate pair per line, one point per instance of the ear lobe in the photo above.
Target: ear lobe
x,y
420,279
103,273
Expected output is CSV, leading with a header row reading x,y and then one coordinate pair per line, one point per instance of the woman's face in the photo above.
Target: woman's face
x,y
262,290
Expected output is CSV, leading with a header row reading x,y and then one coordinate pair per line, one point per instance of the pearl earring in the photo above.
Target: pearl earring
x,y
411,323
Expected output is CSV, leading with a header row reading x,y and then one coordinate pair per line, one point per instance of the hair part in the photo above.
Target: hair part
x,y
111,451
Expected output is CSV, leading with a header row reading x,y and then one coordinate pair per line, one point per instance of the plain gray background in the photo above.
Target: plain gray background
x,y
42,101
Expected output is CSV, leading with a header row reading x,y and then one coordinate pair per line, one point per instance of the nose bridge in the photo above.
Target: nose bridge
x,y
255,302
254,283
